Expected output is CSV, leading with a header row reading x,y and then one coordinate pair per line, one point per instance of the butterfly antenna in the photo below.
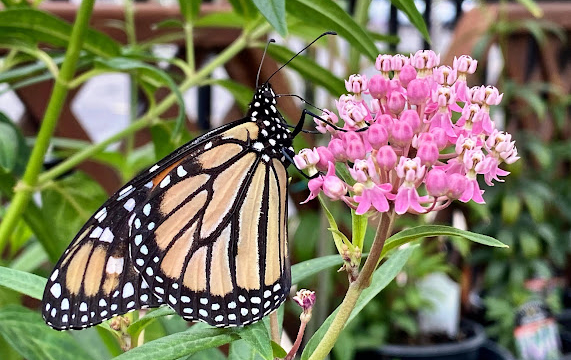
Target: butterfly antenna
x,y
300,98
302,50
262,61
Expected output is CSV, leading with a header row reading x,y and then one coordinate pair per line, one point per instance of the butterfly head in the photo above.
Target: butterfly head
x,y
264,102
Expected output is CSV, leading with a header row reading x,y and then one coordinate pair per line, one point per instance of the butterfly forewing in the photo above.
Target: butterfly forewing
x,y
214,248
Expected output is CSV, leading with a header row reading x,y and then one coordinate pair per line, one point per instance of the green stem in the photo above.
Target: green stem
x,y
361,17
189,40
363,281
237,46
53,110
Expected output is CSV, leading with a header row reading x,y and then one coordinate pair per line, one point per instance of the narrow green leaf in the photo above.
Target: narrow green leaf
x,y
30,258
126,64
246,8
181,344
23,282
220,19
330,16
532,7
338,237
208,354
257,336
423,231
8,146
279,351
28,334
168,24
309,69
136,327
409,9
359,228
381,278
274,12
46,28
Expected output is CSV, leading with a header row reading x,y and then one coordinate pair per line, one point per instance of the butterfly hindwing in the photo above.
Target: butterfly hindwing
x,y
211,239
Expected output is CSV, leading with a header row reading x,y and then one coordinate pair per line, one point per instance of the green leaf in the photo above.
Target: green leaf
x,y
168,24
208,354
381,278
511,208
28,334
419,232
359,228
46,28
246,8
241,350
338,237
257,336
68,203
278,351
189,9
330,16
309,69
532,7
408,7
8,146
136,327
145,70
228,19
23,282
274,12
32,257
181,344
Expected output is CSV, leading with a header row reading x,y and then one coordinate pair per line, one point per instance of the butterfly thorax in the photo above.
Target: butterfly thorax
x,y
274,134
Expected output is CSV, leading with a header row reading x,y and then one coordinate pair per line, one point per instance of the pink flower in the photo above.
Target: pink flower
x,y
398,61
412,172
333,187
375,196
305,299
307,159
418,91
386,157
323,127
356,84
325,158
355,115
401,133
445,75
384,63
377,136
379,86
354,146
407,74
314,186
436,183
337,148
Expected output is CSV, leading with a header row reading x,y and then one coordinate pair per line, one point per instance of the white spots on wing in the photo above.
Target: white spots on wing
x,y
204,301
255,311
147,209
255,300
151,226
144,297
104,313
172,299
149,271
187,310
277,287
54,275
125,192
165,181
266,158
208,145
203,312
273,108
56,290
180,171
96,232
174,286
138,239
83,306
144,250
258,146
140,262
64,304
107,236
215,307
254,113
128,290
267,111
101,214
137,223
219,318
153,168
159,279
159,290
64,318
116,293
256,104
267,294
185,299
244,311
130,304
129,205
232,305
267,304
156,259
272,142
102,303
149,185
84,318
114,265
113,307
267,122
241,298
264,132
232,317
53,312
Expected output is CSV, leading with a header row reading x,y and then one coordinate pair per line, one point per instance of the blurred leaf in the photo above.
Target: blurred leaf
x,y
8,146
257,336
23,282
143,69
529,244
330,16
409,9
46,28
535,206
423,231
307,269
532,7
220,19
381,278
511,208
163,142
28,334
175,346
309,69
169,23
30,258
246,8
274,12
68,203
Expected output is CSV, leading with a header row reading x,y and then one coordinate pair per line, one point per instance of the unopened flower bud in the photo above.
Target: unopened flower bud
x,y
407,74
377,135
411,118
401,133
379,86
396,102
386,157
417,91
354,147
457,184
436,183
337,150
428,153
325,157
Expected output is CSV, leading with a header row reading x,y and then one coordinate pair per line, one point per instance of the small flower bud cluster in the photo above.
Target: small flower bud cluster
x,y
400,141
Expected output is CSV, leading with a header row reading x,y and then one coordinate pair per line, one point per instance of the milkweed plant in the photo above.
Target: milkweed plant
x,y
411,139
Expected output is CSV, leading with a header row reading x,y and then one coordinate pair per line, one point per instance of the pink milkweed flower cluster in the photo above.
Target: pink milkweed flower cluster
x,y
414,136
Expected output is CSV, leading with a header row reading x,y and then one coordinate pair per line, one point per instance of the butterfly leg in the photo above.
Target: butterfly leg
x,y
305,112
289,157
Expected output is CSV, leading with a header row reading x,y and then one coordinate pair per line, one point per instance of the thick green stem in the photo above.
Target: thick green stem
x,y
53,110
363,281
189,43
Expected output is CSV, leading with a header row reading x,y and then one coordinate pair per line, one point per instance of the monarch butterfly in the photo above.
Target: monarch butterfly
x,y
203,231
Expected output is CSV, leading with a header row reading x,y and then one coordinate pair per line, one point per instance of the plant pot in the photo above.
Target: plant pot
x,y
492,351
467,349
